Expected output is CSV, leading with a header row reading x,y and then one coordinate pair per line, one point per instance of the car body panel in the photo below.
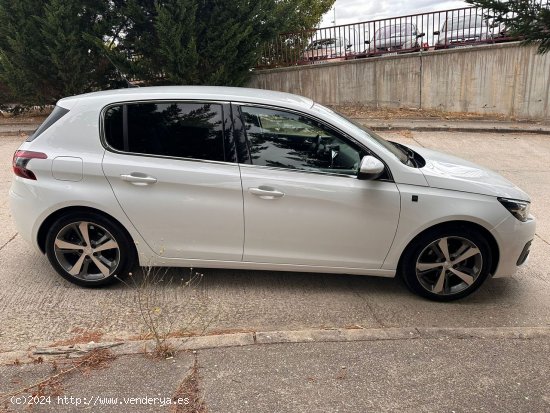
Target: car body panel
x,y
322,219
437,206
193,211
449,172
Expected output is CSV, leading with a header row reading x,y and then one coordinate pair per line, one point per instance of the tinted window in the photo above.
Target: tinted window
x,y
57,113
287,140
185,130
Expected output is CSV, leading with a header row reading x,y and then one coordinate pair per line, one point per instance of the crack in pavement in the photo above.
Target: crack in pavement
x,y
8,241
536,235
416,140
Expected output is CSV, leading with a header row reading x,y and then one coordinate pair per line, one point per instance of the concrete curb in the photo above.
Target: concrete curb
x,y
381,128
291,336
19,132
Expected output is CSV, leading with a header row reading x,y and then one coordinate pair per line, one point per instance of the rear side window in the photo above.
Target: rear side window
x,y
57,113
176,129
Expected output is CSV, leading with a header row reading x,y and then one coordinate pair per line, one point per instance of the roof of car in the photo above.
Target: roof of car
x,y
221,93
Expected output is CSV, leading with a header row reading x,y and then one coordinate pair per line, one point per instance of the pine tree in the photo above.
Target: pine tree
x,y
72,58
54,48
527,19
229,36
20,51
176,36
45,52
214,42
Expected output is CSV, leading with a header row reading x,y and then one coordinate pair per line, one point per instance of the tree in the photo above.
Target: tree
x,y
44,51
74,64
527,19
177,42
211,42
54,48
19,56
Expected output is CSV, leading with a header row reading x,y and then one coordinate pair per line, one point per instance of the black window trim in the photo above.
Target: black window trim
x,y
330,127
226,137
60,112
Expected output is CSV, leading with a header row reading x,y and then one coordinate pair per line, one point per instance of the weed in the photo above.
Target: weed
x,y
160,316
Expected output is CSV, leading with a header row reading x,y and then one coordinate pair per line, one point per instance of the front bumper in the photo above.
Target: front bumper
x,y
514,240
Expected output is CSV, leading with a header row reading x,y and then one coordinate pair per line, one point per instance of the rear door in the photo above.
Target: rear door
x,y
172,169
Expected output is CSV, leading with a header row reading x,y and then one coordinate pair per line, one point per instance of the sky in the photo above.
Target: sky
x,y
353,11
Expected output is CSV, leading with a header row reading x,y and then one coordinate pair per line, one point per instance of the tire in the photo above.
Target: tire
x,y
109,256
428,273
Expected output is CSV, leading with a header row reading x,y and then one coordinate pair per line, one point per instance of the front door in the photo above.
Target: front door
x,y
303,204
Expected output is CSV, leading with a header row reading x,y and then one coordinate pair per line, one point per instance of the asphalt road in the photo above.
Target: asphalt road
x,y
38,306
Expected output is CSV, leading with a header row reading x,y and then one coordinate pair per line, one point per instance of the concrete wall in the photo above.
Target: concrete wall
x,y
505,78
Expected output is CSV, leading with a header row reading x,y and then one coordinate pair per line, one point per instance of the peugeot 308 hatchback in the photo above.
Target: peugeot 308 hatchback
x,y
218,177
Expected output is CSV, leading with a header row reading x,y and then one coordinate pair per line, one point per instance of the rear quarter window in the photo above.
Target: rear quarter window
x,y
57,113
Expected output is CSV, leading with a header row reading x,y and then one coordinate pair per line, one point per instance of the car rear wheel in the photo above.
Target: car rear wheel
x,y
90,250
446,265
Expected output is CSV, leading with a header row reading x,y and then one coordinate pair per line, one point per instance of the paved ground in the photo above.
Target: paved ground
x,y
440,374
39,306
125,384
383,376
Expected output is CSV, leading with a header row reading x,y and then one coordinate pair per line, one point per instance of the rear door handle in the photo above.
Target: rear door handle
x,y
137,178
265,192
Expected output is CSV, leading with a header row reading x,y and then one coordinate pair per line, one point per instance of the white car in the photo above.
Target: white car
x,y
217,177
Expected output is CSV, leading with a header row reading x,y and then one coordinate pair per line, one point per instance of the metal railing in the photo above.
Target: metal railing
x,y
461,27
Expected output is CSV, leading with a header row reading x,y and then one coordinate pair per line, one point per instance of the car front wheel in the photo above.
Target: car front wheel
x,y
445,265
89,249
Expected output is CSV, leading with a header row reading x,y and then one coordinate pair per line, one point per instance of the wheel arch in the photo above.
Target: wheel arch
x,y
48,222
495,253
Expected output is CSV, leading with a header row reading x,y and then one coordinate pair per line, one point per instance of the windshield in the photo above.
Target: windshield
x,y
394,149
461,23
394,31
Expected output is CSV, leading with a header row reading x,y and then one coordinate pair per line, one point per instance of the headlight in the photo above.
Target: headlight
x,y
519,209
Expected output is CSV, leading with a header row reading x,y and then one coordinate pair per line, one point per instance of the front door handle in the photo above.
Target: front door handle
x,y
138,178
266,192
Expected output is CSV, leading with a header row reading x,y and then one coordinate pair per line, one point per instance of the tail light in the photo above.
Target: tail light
x,y
20,161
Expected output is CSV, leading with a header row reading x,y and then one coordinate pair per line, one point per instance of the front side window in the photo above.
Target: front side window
x,y
176,129
289,140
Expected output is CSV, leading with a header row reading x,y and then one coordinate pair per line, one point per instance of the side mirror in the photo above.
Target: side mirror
x,y
419,35
436,33
370,168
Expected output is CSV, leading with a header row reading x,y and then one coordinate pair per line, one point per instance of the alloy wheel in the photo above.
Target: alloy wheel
x,y
87,251
449,265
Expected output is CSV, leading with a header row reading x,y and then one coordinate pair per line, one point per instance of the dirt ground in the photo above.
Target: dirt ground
x,y
363,112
